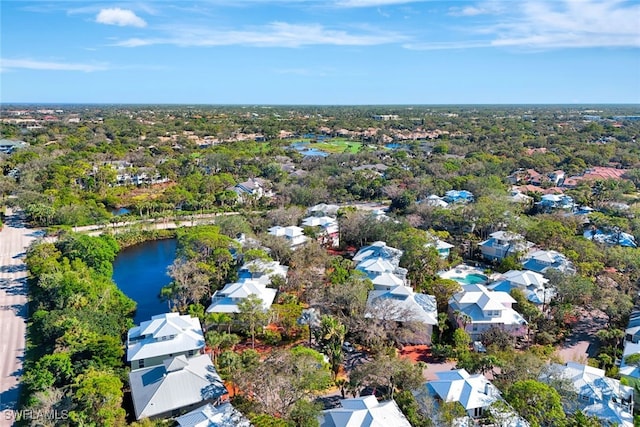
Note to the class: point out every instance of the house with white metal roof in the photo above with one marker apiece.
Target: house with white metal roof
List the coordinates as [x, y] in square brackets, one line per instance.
[293, 234]
[177, 385]
[476, 309]
[596, 394]
[379, 249]
[328, 231]
[165, 335]
[401, 304]
[532, 284]
[226, 300]
[542, 261]
[364, 412]
[208, 415]
[502, 244]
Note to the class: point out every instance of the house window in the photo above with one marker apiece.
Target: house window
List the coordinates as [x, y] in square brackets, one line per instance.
[584, 398]
[475, 327]
[477, 412]
[141, 363]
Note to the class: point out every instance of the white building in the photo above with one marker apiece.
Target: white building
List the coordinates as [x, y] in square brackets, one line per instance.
[532, 284]
[328, 232]
[364, 412]
[208, 415]
[293, 234]
[502, 244]
[165, 335]
[542, 261]
[178, 384]
[596, 394]
[476, 309]
[474, 393]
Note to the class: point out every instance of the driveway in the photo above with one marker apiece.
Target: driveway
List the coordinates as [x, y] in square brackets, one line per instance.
[14, 240]
[583, 343]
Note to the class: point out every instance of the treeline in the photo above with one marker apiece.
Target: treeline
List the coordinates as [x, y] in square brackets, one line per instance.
[74, 360]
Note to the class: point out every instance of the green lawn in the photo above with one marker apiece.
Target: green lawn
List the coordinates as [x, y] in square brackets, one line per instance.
[337, 145]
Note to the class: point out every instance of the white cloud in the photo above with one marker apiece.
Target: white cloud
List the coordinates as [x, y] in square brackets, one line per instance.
[571, 24]
[10, 64]
[120, 17]
[276, 34]
[536, 25]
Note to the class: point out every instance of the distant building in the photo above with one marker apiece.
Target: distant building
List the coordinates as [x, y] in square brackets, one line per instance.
[8, 146]
[455, 196]
[328, 232]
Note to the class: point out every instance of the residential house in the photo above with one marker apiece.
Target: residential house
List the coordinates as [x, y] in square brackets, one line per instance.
[596, 394]
[517, 196]
[255, 188]
[165, 335]
[631, 371]
[379, 249]
[474, 393]
[328, 232]
[557, 177]
[8, 146]
[208, 415]
[401, 304]
[455, 196]
[177, 385]
[502, 244]
[443, 248]
[293, 234]
[550, 202]
[262, 271]
[364, 412]
[532, 284]
[611, 237]
[226, 300]
[542, 261]
[476, 309]
[435, 201]
[323, 209]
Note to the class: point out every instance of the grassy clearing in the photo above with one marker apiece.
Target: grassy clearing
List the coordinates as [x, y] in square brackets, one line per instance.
[337, 145]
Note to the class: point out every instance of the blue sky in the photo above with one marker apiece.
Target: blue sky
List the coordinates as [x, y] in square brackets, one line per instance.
[320, 51]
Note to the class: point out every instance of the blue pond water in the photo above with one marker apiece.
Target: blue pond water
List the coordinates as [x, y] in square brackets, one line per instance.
[304, 149]
[141, 271]
[121, 211]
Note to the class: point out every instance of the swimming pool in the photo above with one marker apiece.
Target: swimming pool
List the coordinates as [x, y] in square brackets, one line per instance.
[472, 279]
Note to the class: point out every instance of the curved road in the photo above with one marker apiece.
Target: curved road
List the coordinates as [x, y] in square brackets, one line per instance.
[14, 240]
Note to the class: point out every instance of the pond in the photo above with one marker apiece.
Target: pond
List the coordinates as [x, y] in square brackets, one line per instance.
[140, 271]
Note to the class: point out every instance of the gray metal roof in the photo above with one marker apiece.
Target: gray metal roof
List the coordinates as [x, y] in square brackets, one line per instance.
[157, 390]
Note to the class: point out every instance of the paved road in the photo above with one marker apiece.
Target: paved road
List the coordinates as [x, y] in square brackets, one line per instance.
[14, 240]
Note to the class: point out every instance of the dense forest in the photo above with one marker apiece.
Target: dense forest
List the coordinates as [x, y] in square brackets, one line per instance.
[86, 165]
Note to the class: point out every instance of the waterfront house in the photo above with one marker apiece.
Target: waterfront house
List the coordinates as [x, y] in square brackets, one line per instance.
[165, 335]
[177, 385]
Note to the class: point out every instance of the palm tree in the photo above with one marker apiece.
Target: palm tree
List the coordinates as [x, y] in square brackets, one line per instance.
[310, 318]
[332, 337]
